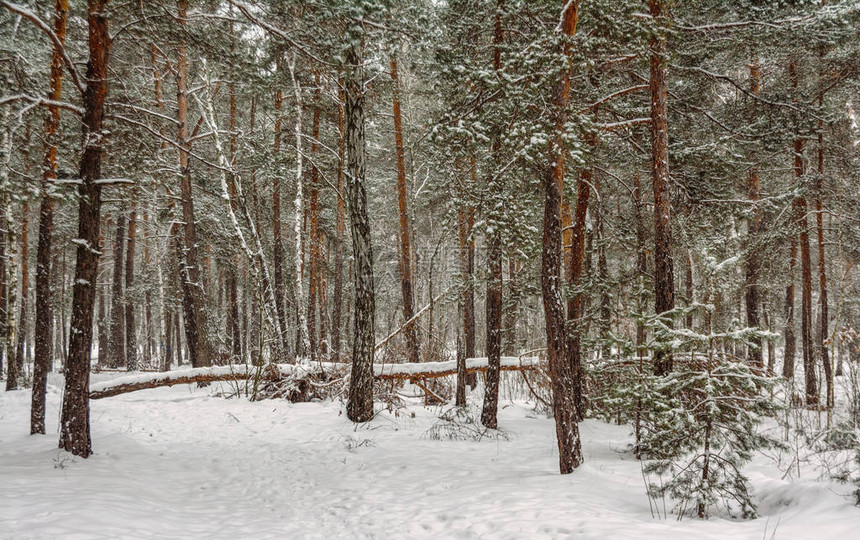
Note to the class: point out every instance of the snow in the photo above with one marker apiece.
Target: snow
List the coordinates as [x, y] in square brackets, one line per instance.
[182, 462]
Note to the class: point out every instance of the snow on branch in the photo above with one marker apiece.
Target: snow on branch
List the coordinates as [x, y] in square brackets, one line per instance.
[40, 101]
[43, 26]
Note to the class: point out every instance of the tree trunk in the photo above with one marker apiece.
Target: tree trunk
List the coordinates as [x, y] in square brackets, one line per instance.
[603, 278]
[664, 282]
[4, 292]
[753, 264]
[466, 310]
[314, 232]
[359, 408]
[405, 243]
[575, 260]
[790, 340]
[824, 332]
[103, 321]
[75, 420]
[21, 347]
[116, 343]
[149, 347]
[277, 236]
[130, 330]
[302, 337]
[512, 313]
[194, 297]
[338, 249]
[688, 285]
[42, 359]
[168, 341]
[564, 401]
[469, 293]
[806, 294]
[494, 258]
[802, 223]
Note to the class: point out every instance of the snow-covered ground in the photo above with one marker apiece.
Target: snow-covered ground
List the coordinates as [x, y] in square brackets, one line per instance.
[182, 463]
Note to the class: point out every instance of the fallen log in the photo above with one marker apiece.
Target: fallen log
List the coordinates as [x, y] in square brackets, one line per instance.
[143, 381]
[236, 372]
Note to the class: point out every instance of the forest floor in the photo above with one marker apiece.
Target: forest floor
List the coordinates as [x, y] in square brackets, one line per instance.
[182, 462]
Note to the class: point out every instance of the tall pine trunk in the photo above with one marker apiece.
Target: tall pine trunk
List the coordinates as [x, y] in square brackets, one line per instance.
[116, 340]
[753, 264]
[131, 357]
[42, 360]
[193, 291]
[824, 332]
[75, 419]
[664, 281]
[564, 392]
[494, 258]
[314, 232]
[359, 408]
[405, 243]
[21, 346]
[801, 221]
[340, 227]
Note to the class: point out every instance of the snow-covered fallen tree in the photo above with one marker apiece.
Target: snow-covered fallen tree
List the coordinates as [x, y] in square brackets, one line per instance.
[238, 372]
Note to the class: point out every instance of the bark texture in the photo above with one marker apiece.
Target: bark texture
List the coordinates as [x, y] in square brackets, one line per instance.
[564, 400]
[75, 419]
[405, 243]
[494, 259]
[359, 408]
[664, 280]
[44, 317]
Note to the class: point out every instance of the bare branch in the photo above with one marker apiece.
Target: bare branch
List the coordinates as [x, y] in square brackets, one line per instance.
[40, 101]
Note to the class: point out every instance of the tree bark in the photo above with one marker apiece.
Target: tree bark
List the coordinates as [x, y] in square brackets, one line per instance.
[806, 291]
[314, 232]
[359, 408]
[149, 346]
[302, 337]
[23, 313]
[469, 293]
[753, 264]
[824, 332]
[130, 329]
[494, 258]
[790, 340]
[42, 360]
[194, 297]
[575, 260]
[338, 249]
[801, 221]
[664, 282]
[75, 419]
[116, 340]
[277, 235]
[564, 402]
[405, 243]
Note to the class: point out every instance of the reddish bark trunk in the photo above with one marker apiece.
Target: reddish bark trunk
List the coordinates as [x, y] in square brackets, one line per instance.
[664, 282]
[565, 406]
[75, 419]
[405, 243]
[42, 353]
